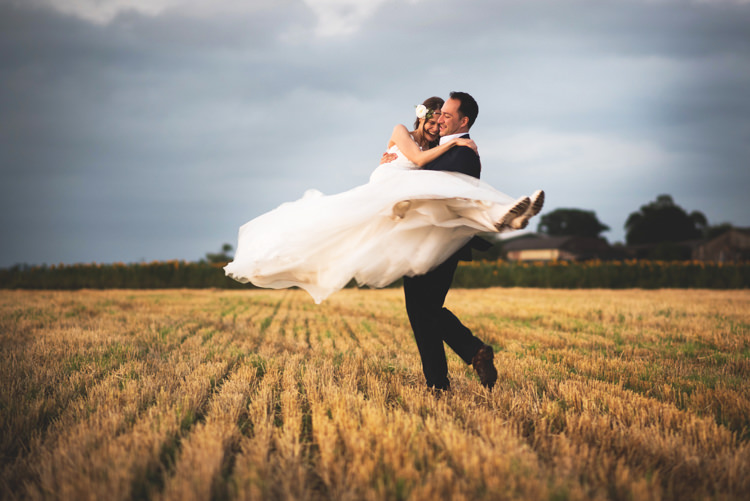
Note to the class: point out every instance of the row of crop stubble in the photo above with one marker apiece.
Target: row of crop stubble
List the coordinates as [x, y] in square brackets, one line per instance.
[183, 394]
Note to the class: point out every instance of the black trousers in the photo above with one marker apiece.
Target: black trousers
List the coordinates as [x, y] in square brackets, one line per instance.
[434, 324]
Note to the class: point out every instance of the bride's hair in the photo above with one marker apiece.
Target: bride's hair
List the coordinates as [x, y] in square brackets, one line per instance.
[432, 104]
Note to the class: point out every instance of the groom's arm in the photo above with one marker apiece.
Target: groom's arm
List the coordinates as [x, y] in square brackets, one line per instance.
[459, 159]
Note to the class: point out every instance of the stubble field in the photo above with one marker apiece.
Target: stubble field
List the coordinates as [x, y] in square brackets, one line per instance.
[206, 394]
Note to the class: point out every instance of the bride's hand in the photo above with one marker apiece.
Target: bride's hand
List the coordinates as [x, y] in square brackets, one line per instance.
[462, 141]
[388, 157]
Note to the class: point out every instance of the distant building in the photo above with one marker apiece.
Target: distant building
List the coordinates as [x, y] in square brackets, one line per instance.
[732, 245]
[539, 247]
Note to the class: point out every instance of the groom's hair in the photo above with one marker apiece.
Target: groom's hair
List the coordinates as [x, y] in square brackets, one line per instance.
[468, 108]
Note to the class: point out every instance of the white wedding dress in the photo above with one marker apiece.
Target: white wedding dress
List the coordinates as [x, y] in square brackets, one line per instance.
[404, 221]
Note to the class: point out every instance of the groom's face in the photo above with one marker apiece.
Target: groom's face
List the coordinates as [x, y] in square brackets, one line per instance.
[451, 121]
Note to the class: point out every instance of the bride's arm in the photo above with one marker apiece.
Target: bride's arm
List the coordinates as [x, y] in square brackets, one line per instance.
[410, 149]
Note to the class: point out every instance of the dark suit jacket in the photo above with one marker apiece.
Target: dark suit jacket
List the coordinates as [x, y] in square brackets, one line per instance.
[458, 159]
[461, 159]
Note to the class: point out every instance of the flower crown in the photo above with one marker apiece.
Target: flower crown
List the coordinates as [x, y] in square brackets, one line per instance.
[423, 112]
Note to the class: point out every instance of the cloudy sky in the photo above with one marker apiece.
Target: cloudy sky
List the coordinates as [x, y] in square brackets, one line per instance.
[152, 129]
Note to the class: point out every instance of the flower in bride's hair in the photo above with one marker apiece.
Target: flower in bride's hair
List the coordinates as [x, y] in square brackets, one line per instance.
[422, 111]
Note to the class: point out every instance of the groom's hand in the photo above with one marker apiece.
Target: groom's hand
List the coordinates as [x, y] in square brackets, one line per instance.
[388, 157]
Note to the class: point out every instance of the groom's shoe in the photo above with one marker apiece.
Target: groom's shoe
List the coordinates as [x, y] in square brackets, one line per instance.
[439, 392]
[513, 214]
[484, 367]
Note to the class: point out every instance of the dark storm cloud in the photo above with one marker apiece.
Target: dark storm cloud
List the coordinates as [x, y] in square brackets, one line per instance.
[156, 136]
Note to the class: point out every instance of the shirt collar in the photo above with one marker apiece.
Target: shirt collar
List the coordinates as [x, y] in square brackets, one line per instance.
[445, 139]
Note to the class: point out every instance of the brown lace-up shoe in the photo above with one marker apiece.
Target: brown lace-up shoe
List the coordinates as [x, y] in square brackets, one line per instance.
[483, 365]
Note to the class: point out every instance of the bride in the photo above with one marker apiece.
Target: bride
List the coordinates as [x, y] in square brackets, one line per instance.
[404, 222]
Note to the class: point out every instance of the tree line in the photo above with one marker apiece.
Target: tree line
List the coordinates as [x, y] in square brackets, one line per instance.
[659, 221]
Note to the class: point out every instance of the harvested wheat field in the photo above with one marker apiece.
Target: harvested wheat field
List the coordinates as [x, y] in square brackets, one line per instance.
[204, 394]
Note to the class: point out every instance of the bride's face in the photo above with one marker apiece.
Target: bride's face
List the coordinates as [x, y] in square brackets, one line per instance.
[431, 128]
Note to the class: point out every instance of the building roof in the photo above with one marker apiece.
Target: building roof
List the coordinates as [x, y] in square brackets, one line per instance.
[565, 243]
[737, 237]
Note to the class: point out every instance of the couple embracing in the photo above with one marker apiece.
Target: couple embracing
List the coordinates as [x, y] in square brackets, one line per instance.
[416, 218]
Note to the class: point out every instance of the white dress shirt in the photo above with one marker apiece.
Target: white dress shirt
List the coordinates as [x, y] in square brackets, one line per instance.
[445, 139]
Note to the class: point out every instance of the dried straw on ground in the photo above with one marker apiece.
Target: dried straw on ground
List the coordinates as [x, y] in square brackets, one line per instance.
[264, 395]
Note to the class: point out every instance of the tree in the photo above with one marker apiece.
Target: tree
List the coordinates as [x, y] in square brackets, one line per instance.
[220, 257]
[571, 222]
[663, 221]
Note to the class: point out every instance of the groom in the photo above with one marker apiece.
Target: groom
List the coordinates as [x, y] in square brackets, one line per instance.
[431, 322]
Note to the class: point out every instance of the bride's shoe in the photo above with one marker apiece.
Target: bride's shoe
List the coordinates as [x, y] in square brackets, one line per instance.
[537, 202]
[400, 208]
[513, 214]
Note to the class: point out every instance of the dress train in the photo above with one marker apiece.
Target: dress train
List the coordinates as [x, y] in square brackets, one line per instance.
[403, 222]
